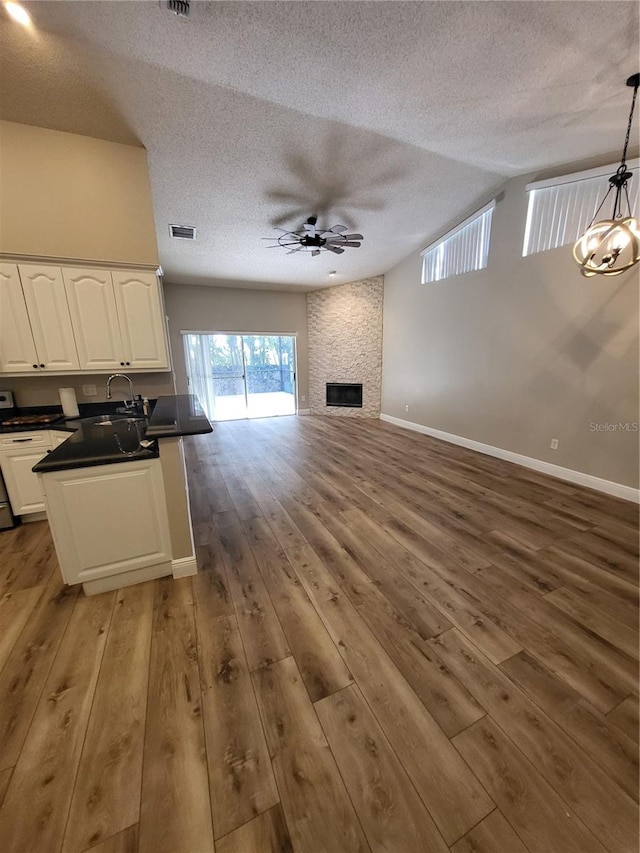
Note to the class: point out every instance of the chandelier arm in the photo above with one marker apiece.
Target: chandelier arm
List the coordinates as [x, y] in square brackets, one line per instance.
[600, 206]
[617, 205]
[626, 192]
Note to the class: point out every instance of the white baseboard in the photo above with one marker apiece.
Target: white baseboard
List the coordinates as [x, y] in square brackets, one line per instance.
[183, 567]
[627, 493]
[33, 516]
[304, 411]
[148, 573]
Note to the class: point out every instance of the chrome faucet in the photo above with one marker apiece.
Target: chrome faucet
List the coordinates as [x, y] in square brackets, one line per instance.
[113, 376]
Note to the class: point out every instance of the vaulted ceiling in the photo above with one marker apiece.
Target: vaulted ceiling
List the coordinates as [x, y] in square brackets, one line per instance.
[393, 118]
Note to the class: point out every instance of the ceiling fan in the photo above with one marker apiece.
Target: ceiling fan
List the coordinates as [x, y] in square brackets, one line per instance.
[313, 240]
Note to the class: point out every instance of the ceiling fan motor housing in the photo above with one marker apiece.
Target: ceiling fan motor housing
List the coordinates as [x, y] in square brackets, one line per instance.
[316, 241]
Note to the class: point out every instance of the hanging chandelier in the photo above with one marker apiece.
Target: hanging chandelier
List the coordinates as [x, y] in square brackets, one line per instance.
[611, 246]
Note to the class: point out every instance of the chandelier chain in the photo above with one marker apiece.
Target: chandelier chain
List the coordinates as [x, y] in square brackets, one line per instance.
[626, 139]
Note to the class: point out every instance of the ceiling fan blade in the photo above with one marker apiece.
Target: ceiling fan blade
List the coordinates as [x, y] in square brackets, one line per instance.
[338, 229]
[297, 249]
[336, 249]
[354, 243]
[315, 252]
[353, 236]
[291, 215]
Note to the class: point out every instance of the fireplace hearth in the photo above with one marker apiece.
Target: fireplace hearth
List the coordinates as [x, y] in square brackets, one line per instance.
[344, 394]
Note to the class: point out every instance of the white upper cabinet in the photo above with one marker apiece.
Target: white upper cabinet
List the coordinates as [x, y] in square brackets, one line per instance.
[17, 349]
[94, 318]
[46, 299]
[70, 319]
[141, 319]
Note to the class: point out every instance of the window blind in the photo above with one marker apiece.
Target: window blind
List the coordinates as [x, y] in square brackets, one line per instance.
[463, 249]
[560, 210]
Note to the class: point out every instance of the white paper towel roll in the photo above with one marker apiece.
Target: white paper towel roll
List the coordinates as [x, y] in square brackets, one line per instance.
[69, 402]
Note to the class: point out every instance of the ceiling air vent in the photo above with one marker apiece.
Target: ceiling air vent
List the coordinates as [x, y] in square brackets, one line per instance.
[183, 232]
[178, 7]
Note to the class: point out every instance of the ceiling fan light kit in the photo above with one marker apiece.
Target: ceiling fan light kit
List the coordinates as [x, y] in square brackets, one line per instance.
[612, 246]
[313, 240]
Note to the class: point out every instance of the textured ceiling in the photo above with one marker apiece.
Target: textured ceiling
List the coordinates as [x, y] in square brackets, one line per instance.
[392, 118]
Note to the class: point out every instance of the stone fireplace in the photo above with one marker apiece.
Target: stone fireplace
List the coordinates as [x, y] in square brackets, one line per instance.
[345, 348]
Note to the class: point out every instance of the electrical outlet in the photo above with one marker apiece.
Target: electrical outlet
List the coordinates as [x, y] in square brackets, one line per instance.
[303, 399]
[89, 391]
[554, 443]
[406, 408]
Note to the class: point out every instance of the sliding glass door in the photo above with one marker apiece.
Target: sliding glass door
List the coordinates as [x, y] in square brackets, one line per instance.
[242, 376]
[270, 375]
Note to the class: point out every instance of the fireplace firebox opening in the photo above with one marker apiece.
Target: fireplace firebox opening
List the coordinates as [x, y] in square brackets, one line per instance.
[344, 394]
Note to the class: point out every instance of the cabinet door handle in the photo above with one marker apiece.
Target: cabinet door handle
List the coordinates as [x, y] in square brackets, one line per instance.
[20, 440]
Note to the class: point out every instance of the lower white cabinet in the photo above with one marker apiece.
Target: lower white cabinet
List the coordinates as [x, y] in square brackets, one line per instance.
[19, 452]
[22, 484]
[109, 522]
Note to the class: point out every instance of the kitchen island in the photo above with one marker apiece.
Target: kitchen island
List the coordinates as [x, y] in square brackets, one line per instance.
[116, 496]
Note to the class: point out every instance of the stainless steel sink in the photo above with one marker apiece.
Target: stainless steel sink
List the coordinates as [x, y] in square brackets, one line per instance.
[109, 420]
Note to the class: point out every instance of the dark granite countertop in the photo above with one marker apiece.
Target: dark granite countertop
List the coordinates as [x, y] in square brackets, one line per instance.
[124, 440]
[178, 415]
[87, 410]
[97, 444]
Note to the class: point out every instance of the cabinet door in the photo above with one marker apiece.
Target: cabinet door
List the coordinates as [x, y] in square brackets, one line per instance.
[94, 318]
[141, 319]
[46, 300]
[22, 484]
[86, 505]
[17, 349]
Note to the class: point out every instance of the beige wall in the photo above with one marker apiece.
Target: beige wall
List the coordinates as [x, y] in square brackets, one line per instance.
[68, 196]
[43, 390]
[520, 353]
[224, 309]
[345, 344]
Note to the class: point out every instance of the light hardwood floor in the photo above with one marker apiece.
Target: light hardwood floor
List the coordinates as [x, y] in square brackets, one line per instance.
[393, 644]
